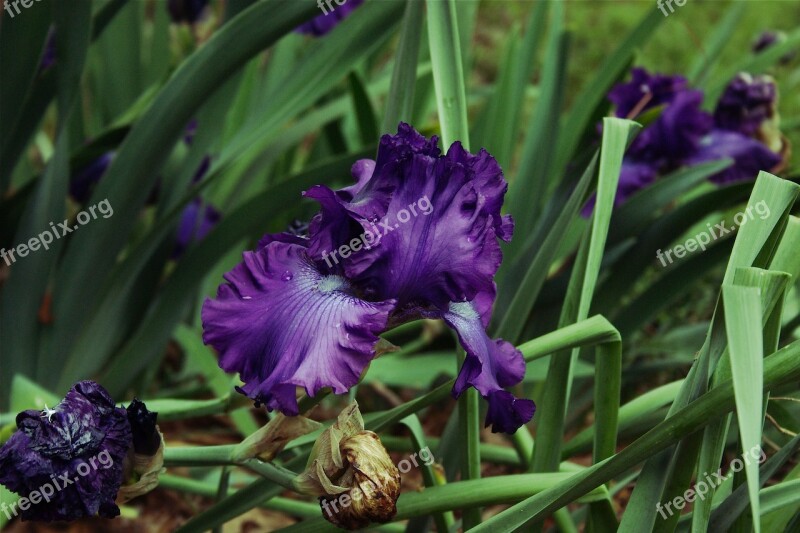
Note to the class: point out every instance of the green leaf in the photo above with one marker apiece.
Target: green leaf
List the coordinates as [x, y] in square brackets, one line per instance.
[400, 101]
[149, 339]
[448, 71]
[743, 325]
[547, 451]
[527, 191]
[135, 168]
[780, 368]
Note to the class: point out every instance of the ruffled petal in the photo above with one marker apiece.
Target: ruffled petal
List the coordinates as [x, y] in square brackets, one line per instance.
[86, 439]
[490, 366]
[748, 101]
[676, 133]
[749, 156]
[281, 323]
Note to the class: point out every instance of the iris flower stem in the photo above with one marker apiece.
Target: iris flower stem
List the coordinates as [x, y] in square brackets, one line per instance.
[221, 456]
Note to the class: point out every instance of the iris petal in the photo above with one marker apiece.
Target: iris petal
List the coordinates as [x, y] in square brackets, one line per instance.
[749, 155]
[490, 366]
[280, 322]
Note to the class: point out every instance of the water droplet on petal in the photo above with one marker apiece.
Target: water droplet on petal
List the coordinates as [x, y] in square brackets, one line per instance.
[287, 276]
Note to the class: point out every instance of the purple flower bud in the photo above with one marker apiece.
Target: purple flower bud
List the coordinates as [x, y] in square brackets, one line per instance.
[146, 439]
[197, 221]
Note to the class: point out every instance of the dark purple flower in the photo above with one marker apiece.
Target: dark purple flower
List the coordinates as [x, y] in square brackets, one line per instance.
[77, 449]
[416, 236]
[749, 156]
[82, 183]
[746, 103]
[197, 221]
[146, 439]
[676, 132]
[644, 91]
[332, 14]
[187, 11]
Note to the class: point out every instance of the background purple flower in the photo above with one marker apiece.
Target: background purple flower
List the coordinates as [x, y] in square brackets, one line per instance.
[197, 221]
[749, 156]
[324, 23]
[644, 91]
[746, 103]
[84, 426]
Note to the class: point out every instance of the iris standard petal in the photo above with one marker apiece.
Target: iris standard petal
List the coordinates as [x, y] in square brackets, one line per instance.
[747, 102]
[644, 91]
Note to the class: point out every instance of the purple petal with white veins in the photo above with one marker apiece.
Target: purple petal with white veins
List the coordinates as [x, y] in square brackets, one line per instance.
[281, 323]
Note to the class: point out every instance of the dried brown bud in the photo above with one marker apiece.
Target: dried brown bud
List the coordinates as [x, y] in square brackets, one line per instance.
[351, 472]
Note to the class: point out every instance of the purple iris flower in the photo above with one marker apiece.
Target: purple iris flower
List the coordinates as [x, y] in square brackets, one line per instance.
[644, 92]
[415, 237]
[330, 17]
[57, 448]
[749, 155]
[187, 11]
[746, 103]
[676, 133]
[83, 182]
[197, 221]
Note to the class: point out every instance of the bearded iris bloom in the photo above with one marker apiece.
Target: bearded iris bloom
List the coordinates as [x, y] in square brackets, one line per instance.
[287, 318]
[743, 127]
